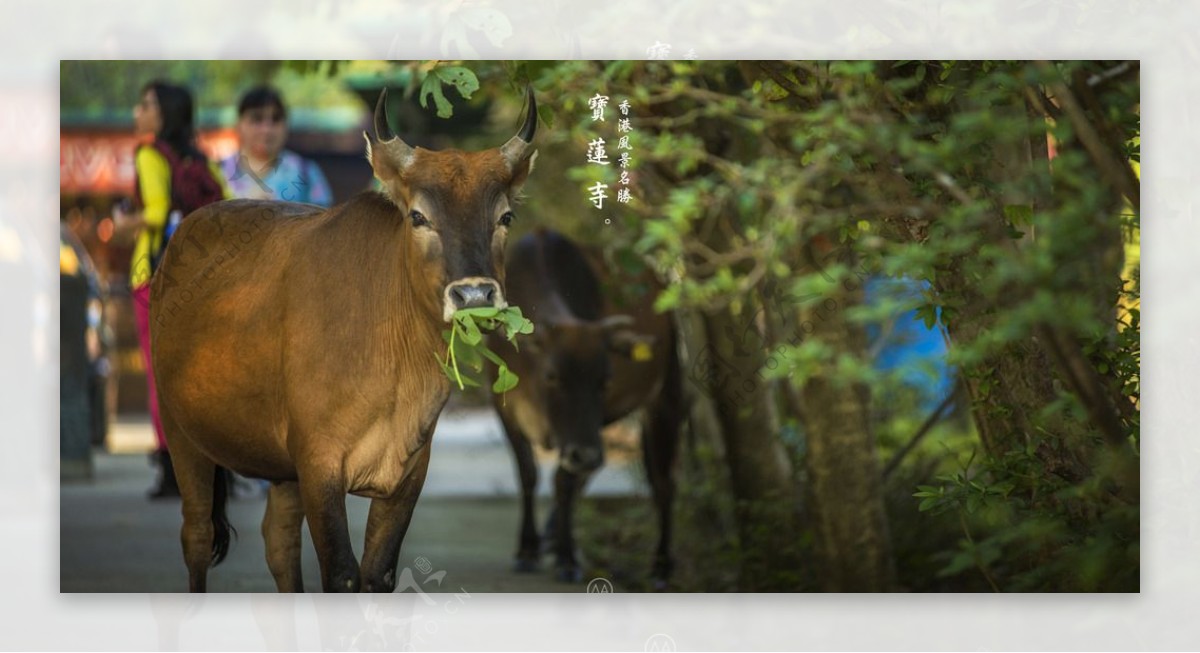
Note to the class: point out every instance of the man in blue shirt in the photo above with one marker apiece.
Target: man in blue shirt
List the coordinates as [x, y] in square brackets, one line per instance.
[263, 169]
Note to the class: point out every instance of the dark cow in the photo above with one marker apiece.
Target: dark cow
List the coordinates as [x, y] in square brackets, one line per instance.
[298, 344]
[590, 362]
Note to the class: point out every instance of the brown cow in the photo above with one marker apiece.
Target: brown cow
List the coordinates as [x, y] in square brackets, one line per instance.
[592, 359]
[296, 344]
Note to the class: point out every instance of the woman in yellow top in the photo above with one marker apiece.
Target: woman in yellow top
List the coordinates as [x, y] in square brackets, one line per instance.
[166, 111]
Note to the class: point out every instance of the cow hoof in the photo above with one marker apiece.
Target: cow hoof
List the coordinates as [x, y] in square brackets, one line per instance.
[385, 584]
[659, 584]
[525, 565]
[569, 574]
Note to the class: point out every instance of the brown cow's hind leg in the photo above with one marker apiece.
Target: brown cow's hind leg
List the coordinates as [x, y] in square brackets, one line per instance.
[387, 523]
[660, 444]
[281, 533]
[195, 474]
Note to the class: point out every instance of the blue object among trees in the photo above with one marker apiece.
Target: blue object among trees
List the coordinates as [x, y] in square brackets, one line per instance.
[912, 350]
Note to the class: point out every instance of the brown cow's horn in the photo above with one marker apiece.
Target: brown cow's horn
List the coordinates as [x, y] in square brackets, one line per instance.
[514, 149]
[382, 131]
[398, 151]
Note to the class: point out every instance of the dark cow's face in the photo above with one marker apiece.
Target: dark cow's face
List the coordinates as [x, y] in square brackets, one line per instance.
[573, 372]
[457, 207]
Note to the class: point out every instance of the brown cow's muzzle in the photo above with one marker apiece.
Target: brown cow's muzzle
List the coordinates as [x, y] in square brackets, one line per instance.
[472, 292]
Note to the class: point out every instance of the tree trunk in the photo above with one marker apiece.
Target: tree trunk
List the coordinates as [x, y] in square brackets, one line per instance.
[1011, 386]
[706, 528]
[760, 473]
[844, 478]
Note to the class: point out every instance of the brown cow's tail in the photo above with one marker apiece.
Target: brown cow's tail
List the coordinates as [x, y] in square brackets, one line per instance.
[222, 529]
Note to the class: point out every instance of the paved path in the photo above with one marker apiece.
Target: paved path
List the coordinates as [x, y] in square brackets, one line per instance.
[113, 539]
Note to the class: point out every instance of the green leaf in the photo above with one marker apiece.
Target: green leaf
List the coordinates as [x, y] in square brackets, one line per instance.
[928, 491]
[515, 323]
[928, 314]
[467, 348]
[482, 311]
[467, 381]
[505, 380]
[433, 86]
[462, 79]
[973, 503]
[471, 335]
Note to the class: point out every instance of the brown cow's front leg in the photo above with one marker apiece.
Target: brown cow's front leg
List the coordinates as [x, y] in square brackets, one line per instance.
[323, 493]
[567, 487]
[281, 533]
[387, 523]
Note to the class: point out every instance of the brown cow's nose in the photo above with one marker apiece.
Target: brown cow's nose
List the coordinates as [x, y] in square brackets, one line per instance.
[473, 295]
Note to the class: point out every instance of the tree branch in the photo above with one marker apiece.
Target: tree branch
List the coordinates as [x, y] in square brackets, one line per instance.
[1045, 105]
[926, 427]
[1120, 70]
[1108, 132]
[1085, 381]
[1110, 167]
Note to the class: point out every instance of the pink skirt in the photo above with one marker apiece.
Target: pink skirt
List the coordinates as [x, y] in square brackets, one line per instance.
[141, 308]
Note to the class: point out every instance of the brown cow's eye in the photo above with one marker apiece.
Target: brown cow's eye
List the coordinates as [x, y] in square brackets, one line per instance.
[507, 218]
[418, 219]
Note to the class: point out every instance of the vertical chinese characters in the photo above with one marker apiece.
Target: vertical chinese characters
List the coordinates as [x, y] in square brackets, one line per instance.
[625, 158]
[598, 154]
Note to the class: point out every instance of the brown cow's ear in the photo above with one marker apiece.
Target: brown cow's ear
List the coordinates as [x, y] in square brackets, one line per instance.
[385, 170]
[521, 173]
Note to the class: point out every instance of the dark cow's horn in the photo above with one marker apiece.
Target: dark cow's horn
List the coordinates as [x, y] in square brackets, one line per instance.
[397, 150]
[614, 322]
[514, 149]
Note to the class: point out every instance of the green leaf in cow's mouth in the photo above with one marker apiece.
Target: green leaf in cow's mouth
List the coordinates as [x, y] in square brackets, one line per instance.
[466, 348]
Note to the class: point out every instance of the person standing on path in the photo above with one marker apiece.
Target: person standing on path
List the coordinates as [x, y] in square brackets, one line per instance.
[174, 178]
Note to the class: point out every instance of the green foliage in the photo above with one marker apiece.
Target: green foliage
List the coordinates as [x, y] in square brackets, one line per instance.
[772, 190]
[462, 79]
[466, 348]
[1059, 537]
